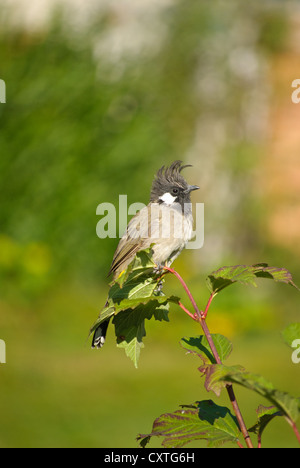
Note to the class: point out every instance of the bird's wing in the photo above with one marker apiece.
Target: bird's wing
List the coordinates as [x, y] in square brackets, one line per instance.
[135, 238]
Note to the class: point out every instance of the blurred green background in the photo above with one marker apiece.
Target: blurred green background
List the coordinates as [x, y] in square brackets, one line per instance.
[97, 99]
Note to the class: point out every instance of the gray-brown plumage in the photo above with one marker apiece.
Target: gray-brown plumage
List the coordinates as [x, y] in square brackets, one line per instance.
[166, 222]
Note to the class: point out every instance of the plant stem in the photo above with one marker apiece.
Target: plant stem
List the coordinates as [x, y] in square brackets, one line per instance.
[186, 310]
[171, 270]
[200, 316]
[295, 429]
[259, 441]
[208, 305]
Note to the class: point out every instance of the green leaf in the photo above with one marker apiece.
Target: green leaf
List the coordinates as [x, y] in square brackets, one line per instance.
[214, 376]
[199, 345]
[264, 416]
[291, 333]
[132, 298]
[202, 421]
[130, 326]
[246, 274]
[133, 344]
[136, 301]
[142, 265]
[284, 402]
[137, 286]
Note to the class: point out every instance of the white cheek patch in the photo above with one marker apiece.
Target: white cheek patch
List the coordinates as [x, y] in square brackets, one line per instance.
[167, 198]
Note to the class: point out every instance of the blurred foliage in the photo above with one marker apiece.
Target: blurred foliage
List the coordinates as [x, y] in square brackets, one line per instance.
[78, 129]
[70, 139]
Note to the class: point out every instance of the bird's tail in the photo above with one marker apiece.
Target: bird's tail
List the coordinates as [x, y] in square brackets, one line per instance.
[100, 334]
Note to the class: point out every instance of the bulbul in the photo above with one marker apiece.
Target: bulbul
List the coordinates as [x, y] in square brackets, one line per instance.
[166, 222]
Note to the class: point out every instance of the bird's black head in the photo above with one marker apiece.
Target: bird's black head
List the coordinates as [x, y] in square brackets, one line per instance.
[170, 187]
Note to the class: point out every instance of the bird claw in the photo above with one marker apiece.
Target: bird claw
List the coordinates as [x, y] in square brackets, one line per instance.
[158, 289]
[158, 269]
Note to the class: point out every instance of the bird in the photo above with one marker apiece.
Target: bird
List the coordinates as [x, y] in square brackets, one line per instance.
[166, 224]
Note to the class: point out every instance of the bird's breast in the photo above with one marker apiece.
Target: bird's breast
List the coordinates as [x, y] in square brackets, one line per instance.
[170, 223]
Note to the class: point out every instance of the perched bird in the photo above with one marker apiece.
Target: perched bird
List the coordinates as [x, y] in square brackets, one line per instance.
[166, 222]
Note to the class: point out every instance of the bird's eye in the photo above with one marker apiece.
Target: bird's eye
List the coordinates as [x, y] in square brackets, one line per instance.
[175, 190]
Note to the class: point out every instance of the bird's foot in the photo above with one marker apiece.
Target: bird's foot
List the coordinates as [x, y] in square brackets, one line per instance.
[158, 269]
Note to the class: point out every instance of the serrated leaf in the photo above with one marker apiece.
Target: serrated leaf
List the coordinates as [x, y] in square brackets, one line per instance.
[133, 288]
[142, 264]
[202, 421]
[284, 402]
[214, 374]
[133, 297]
[200, 346]
[132, 347]
[264, 416]
[130, 326]
[291, 333]
[246, 274]
[130, 331]
[136, 301]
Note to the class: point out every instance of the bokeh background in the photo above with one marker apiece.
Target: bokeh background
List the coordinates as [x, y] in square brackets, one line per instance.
[100, 94]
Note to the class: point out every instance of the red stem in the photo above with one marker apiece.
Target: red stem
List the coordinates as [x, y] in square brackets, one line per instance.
[259, 441]
[295, 429]
[200, 316]
[208, 305]
[186, 310]
[199, 313]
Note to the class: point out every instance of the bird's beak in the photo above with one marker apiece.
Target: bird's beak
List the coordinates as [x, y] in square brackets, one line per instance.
[192, 187]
